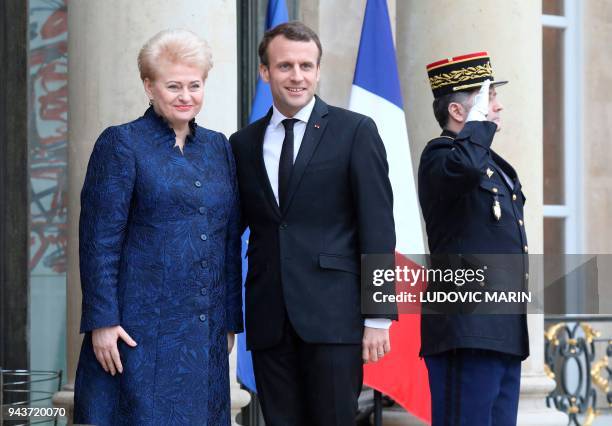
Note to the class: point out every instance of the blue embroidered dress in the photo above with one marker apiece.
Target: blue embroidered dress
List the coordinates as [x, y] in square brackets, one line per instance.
[160, 256]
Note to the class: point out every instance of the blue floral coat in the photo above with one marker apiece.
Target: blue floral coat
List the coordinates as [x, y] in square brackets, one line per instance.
[160, 256]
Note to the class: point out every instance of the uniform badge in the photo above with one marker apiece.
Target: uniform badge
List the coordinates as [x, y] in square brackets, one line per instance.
[496, 209]
[489, 173]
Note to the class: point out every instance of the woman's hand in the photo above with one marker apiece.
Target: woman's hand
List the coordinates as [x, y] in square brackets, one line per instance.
[231, 337]
[104, 341]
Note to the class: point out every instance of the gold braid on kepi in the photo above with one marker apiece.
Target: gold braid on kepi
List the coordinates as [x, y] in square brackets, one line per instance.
[461, 73]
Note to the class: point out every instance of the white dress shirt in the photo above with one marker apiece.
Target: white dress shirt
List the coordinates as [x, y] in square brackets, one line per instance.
[273, 140]
[272, 146]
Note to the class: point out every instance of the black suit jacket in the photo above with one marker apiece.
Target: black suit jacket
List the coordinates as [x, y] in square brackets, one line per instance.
[304, 261]
[459, 180]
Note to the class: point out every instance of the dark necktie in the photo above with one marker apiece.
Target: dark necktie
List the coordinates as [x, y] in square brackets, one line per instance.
[285, 165]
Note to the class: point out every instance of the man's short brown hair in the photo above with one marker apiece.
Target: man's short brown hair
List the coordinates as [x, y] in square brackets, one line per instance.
[294, 30]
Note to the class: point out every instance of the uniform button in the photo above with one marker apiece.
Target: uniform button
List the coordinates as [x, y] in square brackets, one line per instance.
[202, 317]
[513, 197]
[495, 190]
[197, 183]
[526, 276]
[204, 263]
[203, 237]
[521, 222]
[283, 226]
[202, 210]
[526, 249]
[203, 291]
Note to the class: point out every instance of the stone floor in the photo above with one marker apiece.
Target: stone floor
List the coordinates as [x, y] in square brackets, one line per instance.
[398, 417]
[392, 416]
[603, 420]
[395, 416]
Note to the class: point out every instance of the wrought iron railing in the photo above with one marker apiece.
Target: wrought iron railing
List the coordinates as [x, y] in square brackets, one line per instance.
[28, 388]
[577, 357]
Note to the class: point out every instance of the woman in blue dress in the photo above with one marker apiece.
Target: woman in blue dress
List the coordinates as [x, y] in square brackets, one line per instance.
[160, 255]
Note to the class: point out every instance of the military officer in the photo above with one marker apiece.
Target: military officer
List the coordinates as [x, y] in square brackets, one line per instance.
[472, 202]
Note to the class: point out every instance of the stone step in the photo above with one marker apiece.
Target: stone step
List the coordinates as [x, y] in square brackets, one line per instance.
[397, 416]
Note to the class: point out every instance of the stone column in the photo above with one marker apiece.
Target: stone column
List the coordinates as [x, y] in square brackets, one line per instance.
[511, 32]
[105, 89]
[340, 41]
[596, 191]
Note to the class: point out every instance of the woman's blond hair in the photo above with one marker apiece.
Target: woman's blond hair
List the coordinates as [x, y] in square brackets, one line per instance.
[175, 46]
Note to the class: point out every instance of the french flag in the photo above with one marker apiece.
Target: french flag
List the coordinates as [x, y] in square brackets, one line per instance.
[376, 92]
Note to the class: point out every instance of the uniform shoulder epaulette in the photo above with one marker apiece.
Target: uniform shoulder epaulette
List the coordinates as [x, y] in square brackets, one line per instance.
[441, 139]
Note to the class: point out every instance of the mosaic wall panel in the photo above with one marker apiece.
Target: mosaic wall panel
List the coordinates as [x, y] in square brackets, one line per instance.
[48, 121]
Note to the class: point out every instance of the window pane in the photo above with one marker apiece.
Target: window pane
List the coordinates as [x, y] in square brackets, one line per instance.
[552, 7]
[554, 235]
[554, 185]
[554, 244]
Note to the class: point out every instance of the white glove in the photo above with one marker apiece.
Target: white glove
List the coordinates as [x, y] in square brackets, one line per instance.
[480, 109]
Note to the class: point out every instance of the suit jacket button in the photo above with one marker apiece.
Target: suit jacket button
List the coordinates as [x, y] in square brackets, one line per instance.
[495, 190]
[283, 225]
[513, 197]
[203, 237]
[197, 183]
[526, 249]
[202, 317]
[520, 222]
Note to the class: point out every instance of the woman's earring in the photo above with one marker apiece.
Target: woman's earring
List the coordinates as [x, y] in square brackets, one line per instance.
[150, 102]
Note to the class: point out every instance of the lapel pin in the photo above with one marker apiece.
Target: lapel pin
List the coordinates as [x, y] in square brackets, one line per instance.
[316, 126]
[489, 173]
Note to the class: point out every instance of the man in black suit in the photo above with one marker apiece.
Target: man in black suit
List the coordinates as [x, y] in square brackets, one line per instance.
[316, 195]
[472, 203]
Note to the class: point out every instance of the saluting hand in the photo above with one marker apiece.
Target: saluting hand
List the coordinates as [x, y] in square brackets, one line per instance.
[480, 110]
[104, 341]
[375, 344]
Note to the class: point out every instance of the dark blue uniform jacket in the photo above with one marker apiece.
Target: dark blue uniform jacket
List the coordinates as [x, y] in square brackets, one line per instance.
[460, 178]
